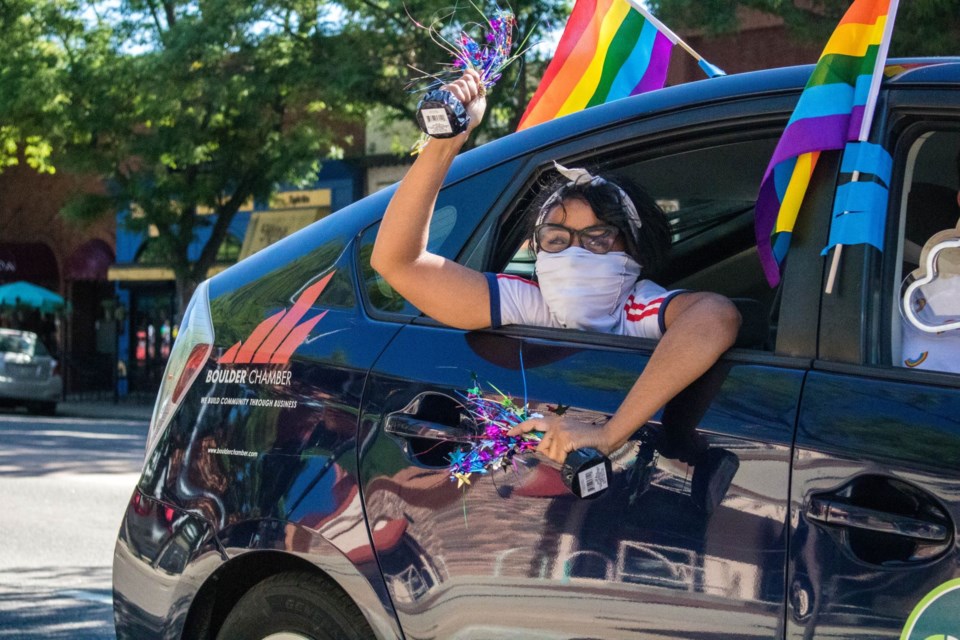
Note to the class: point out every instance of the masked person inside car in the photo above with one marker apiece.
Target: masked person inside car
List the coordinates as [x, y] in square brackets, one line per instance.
[593, 239]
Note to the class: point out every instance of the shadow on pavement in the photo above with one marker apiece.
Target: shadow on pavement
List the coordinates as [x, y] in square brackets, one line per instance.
[56, 604]
[35, 447]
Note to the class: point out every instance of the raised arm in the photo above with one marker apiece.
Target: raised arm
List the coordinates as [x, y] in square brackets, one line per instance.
[442, 289]
[700, 328]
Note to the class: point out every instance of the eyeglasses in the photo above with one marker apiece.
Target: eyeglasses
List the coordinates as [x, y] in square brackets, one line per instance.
[554, 238]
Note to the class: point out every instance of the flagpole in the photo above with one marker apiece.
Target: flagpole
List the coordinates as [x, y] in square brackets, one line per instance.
[710, 69]
[868, 110]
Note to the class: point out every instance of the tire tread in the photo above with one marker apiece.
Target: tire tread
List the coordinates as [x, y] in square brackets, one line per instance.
[252, 618]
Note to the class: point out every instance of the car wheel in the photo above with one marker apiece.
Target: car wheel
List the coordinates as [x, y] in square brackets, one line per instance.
[43, 408]
[294, 606]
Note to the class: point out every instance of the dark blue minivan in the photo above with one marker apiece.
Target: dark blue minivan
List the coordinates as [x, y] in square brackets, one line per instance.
[297, 483]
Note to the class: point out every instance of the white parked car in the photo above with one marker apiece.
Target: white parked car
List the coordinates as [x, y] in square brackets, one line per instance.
[29, 375]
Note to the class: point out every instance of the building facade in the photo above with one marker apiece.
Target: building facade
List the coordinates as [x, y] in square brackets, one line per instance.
[144, 288]
[39, 246]
[761, 42]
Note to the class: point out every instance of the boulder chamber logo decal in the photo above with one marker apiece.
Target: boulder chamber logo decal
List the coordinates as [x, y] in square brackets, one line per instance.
[272, 342]
[275, 339]
[937, 617]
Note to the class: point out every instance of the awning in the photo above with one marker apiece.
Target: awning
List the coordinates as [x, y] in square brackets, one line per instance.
[147, 273]
[90, 261]
[25, 294]
[267, 227]
[30, 261]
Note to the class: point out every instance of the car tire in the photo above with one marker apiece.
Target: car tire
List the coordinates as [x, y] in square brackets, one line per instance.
[295, 605]
[43, 408]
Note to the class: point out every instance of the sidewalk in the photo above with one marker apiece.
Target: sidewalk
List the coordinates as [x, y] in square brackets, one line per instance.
[106, 409]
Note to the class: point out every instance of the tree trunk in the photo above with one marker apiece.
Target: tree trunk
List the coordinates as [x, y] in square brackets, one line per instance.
[185, 288]
[189, 275]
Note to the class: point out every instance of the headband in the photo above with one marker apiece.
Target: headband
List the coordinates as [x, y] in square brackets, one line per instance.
[582, 176]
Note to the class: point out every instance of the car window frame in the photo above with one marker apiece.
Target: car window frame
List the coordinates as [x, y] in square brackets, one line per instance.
[454, 252]
[862, 305]
[726, 117]
[716, 120]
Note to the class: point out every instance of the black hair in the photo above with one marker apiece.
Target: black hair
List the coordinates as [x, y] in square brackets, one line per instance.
[650, 247]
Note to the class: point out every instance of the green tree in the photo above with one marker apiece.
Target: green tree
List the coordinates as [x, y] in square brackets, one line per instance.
[923, 27]
[187, 106]
[191, 107]
[29, 91]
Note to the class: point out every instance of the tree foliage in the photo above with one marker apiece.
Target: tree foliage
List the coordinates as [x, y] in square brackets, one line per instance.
[923, 27]
[186, 106]
[29, 89]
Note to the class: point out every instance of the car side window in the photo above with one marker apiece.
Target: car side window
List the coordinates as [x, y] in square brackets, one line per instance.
[925, 316]
[459, 211]
[707, 189]
[380, 295]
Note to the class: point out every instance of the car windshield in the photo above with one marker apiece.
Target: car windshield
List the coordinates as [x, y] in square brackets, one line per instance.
[18, 343]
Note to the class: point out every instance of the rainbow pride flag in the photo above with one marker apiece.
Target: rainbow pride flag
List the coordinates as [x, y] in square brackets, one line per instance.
[608, 50]
[836, 107]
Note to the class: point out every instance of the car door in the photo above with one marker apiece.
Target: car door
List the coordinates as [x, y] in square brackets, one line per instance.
[875, 494]
[690, 538]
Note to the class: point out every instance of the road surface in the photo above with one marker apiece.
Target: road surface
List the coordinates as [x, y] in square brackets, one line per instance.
[64, 484]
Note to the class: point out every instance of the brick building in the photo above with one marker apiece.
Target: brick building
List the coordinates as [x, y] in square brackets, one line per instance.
[762, 42]
[41, 247]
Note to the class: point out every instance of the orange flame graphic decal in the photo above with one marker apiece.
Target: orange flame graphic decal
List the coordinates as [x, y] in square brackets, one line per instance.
[275, 339]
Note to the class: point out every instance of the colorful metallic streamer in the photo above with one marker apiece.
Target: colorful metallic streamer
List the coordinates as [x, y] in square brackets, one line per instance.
[488, 58]
[494, 448]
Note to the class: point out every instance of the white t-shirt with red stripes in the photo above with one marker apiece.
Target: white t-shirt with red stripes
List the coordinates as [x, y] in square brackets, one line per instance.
[516, 300]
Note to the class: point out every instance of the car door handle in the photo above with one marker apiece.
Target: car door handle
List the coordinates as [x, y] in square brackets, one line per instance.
[843, 514]
[413, 427]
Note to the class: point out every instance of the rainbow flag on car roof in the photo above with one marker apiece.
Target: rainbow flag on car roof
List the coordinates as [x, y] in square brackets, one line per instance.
[831, 112]
[608, 50]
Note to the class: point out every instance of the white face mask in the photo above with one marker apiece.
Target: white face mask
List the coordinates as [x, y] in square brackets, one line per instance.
[585, 290]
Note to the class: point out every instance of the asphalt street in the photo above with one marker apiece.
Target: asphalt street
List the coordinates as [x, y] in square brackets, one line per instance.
[64, 484]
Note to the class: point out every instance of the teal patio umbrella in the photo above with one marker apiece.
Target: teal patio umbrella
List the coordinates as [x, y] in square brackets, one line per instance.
[30, 295]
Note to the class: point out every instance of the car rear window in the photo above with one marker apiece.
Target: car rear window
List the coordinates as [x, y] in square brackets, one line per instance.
[22, 343]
